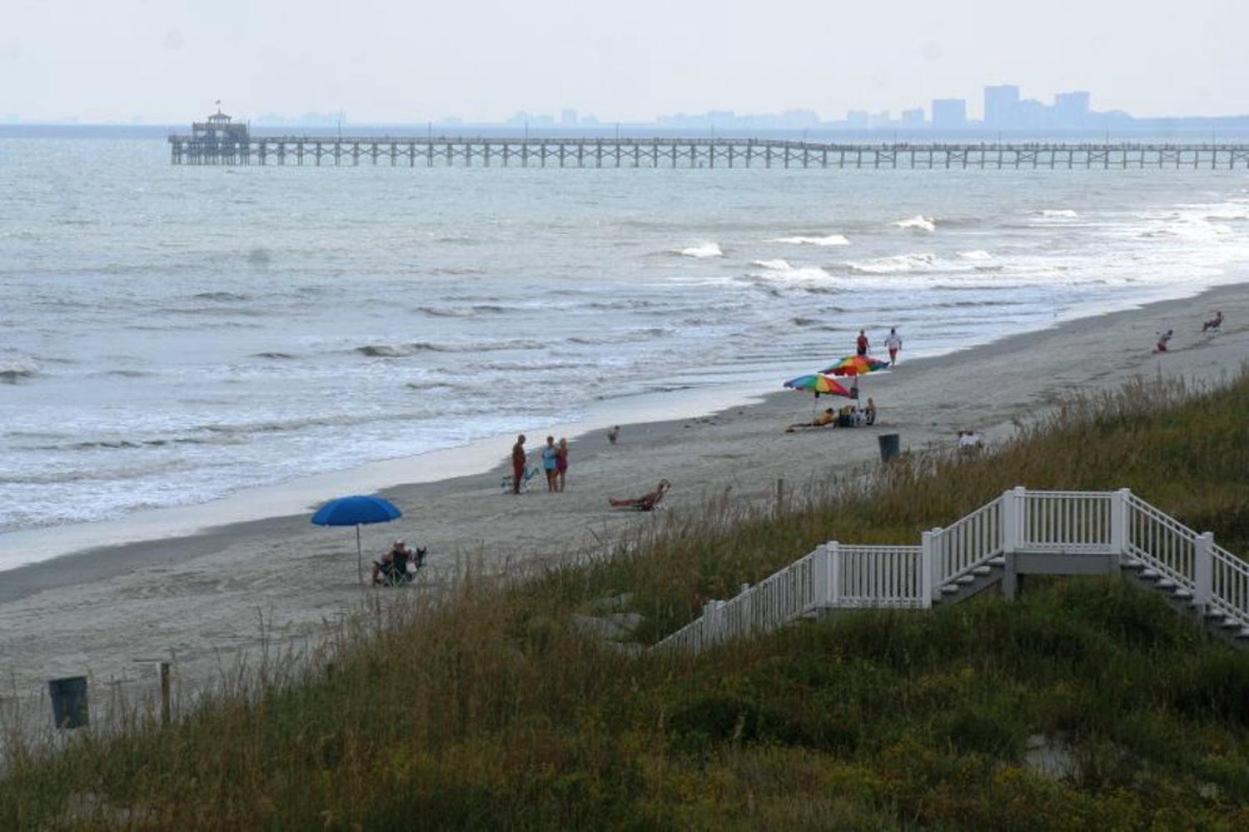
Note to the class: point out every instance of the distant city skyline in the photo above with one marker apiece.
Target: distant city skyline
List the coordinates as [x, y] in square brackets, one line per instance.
[1003, 108]
[384, 62]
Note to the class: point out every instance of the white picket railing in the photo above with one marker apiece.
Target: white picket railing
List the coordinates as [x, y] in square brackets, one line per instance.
[1071, 522]
[1226, 586]
[1065, 523]
[876, 576]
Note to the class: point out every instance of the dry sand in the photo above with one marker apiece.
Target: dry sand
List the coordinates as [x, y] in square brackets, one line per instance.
[204, 596]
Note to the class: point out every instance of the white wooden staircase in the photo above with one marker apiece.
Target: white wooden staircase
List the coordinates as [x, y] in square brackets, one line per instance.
[1020, 533]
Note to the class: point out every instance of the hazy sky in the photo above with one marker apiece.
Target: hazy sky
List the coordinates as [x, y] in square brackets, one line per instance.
[167, 60]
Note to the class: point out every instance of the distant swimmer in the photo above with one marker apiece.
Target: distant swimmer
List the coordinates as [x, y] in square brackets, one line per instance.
[1214, 323]
[1163, 340]
[893, 343]
[861, 343]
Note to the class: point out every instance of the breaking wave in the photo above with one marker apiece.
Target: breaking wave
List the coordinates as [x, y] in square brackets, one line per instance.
[978, 254]
[418, 347]
[1059, 213]
[918, 223]
[827, 240]
[895, 265]
[702, 251]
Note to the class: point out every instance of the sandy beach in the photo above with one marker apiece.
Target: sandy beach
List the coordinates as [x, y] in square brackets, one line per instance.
[204, 596]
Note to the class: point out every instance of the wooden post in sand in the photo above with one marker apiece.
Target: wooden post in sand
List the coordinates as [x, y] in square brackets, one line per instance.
[164, 693]
[780, 496]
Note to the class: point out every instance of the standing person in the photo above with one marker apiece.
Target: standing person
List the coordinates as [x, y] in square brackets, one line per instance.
[561, 461]
[893, 343]
[549, 463]
[861, 343]
[518, 463]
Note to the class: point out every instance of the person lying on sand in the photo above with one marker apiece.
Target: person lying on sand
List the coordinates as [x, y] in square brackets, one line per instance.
[1214, 323]
[828, 417]
[644, 503]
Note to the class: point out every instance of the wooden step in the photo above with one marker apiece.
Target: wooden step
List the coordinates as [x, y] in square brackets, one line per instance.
[966, 580]
[1184, 594]
[982, 571]
[1000, 560]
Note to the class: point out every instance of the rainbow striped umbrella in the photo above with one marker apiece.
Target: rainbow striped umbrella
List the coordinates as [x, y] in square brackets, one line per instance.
[857, 365]
[818, 384]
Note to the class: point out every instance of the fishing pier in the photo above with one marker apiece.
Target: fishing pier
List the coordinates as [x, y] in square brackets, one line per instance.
[218, 141]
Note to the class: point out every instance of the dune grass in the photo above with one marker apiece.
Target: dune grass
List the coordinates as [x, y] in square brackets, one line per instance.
[1087, 704]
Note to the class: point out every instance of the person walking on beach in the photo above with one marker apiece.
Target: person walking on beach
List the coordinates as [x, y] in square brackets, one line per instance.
[518, 463]
[549, 464]
[861, 343]
[893, 343]
[561, 461]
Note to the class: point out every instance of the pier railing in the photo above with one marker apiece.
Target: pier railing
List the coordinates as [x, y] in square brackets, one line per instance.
[657, 152]
[1065, 527]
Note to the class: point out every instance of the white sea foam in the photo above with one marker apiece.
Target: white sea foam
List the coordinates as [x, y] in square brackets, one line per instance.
[780, 271]
[777, 265]
[895, 265]
[703, 250]
[1059, 213]
[918, 223]
[827, 240]
[978, 254]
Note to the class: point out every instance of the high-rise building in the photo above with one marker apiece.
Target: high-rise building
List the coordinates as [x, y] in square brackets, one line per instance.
[949, 114]
[858, 119]
[1001, 106]
[913, 118]
[568, 118]
[1071, 109]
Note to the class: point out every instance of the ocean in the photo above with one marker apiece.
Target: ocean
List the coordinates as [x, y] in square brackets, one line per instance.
[172, 335]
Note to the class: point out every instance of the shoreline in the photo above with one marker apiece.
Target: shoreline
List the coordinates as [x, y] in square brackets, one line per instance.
[232, 513]
[200, 595]
[488, 458]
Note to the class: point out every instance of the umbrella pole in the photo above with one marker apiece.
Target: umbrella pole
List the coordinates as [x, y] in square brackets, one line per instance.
[359, 557]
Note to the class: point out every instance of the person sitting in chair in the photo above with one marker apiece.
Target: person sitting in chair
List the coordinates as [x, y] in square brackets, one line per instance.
[828, 417]
[1214, 323]
[869, 412]
[399, 564]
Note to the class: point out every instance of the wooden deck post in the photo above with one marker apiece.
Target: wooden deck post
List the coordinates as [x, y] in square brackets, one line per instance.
[1203, 570]
[928, 567]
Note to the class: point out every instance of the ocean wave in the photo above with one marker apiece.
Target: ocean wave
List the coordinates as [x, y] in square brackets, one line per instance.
[1059, 213]
[17, 373]
[780, 271]
[773, 265]
[417, 347]
[461, 312]
[825, 241]
[275, 356]
[123, 374]
[896, 264]
[633, 335]
[978, 254]
[917, 223]
[224, 297]
[702, 251]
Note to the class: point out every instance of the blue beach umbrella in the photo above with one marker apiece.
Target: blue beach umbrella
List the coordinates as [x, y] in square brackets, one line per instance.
[356, 511]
